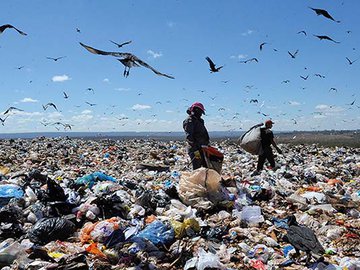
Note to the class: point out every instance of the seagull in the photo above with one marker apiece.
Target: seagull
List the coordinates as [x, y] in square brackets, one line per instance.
[90, 104]
[294, 121]
[121, 44]
[49, 104]
[128, 60]
[6, 26]
[303, 238]
[254, 101]
[333, 89]
[319, 75]
[324, 13]
[90, 89]
[12, 109]
[212, 65]
[65, 95]
[249, 60]
[293, 55]
[3, 120]
[352, 103]
[21, 67]
[55, 59]
[350, 62]
[78, 30]
[326, 37]
[302, 32]
[262, 45]
[304, 78]
[286, 81]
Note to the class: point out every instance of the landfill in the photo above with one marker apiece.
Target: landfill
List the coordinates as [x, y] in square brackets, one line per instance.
[68, 203]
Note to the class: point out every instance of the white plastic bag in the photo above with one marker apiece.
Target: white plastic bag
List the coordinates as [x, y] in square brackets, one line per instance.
[251, 140]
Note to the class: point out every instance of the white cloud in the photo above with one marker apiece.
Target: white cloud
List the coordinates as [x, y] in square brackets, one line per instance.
[82, 117]
[329, 108]
[138, 107]
[239, 56]
[121, 89]
[28, 100]
[294, 103]
[248, 32]
[154, 54]
[86, 112]
[61, 78]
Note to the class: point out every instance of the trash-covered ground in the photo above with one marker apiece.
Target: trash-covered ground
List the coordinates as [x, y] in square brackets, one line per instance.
[136, 204]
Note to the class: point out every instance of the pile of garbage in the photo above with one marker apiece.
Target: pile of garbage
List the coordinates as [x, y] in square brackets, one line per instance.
[136, 204]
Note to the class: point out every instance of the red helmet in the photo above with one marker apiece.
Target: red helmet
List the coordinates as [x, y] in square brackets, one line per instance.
[197, 105]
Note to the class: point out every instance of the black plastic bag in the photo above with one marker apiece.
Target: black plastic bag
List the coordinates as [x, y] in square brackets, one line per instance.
[50, 229]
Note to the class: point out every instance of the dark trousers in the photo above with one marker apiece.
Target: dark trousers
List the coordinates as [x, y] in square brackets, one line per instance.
[267, 155]
[197, 163]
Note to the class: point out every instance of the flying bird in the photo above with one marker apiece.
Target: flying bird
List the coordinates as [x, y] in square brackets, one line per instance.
[91, 89]
[333, 89]
[21, 67]
[119, 45]
[352, 103]
[303, 238]
[128, 60]
[10, 109]
[304, 78]
[254, 101]
[212, 65]
[302, 32]
[6, 26]
[3, 120]
[78, 30]
[90, 104]
[324, 13]
[350, 62]
[286, 81]
[56, 59]
[250, 60]
[65, 95]
[326, 37]
[262, 45]
[319, 75]
[293, 55]
[48, 105]
[295, 122]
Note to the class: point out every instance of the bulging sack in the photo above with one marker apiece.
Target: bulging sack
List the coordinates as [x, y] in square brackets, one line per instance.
[250, 141]
[202, 188]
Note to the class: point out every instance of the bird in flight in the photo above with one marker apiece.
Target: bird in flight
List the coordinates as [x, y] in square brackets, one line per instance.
[319, 75]
[56, 59]
[21, 67]
[119, 45]
[65, 95]
[90, 104]
[12, 109]
[6, 26]
[352, 103]
[302, 32]
[78, 30]
[254, 101]
[324, 13]
[262, 45]
[326, 37]
[128, 60]
[293, 55]
[3, 120]
[350, 62]
[250, 60]
[48, 105]
[333, 89]
[212, 65]
[286, 81]
[304, 78]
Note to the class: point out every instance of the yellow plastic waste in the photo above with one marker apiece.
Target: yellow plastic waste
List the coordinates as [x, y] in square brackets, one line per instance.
[4, 170]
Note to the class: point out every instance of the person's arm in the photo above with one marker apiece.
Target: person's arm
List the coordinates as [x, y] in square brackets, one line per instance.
[189, 131]
[275, 145]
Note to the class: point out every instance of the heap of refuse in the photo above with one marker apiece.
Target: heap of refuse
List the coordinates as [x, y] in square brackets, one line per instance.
[136, 204]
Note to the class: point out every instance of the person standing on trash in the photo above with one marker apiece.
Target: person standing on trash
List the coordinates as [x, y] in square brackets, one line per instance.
[196, 134]
[267, 139]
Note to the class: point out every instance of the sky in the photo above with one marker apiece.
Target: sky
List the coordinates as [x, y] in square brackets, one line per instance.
[175, 37]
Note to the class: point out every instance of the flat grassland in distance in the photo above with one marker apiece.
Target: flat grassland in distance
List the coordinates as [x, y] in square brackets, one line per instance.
[324, 138]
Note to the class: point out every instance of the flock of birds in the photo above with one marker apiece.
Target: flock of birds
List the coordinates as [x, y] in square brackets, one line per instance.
[129, 60]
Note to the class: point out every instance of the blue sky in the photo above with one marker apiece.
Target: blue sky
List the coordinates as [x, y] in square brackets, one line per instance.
[174, 37]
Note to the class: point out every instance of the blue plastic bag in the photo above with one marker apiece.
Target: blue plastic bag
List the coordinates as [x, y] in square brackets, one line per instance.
[90, 179]
[9, 191]
[157, 233]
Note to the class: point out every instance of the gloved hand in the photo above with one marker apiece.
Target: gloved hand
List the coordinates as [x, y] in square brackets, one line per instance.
[279, 150]
[197, 154]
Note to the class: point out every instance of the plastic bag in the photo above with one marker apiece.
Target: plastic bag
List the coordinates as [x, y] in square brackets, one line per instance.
[99, 231]
[50, 229]
[202, 188]
[250, 141]
[9, 191]
[157, 233]
[252, 215]
[90, 179]
[204, 260]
